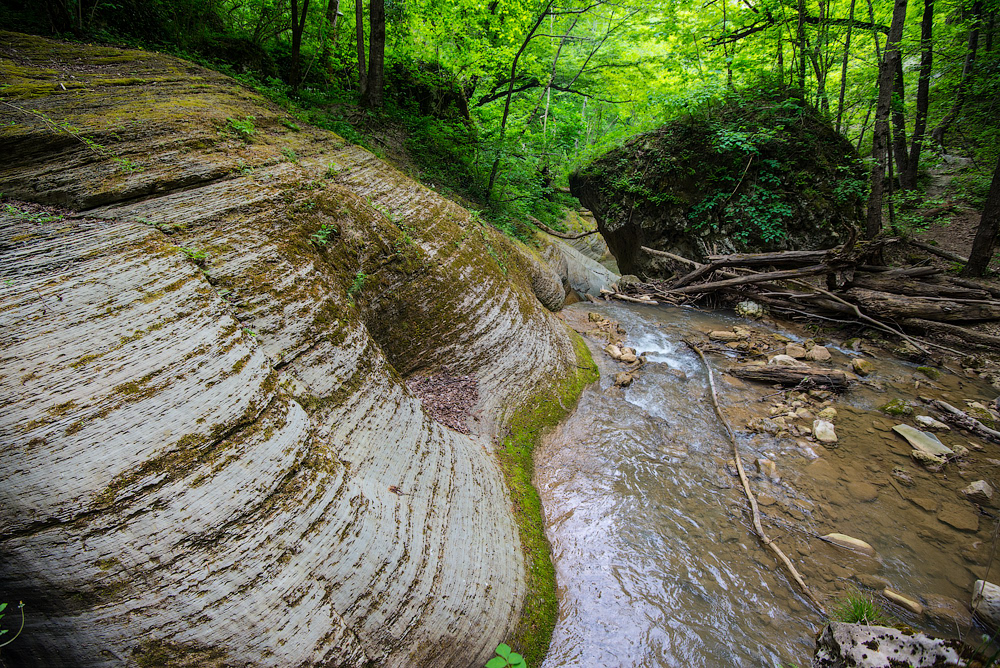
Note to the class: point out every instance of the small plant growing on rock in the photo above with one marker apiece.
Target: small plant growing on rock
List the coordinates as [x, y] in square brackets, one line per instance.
[290, 155]
[323, 234]
[358, 284]
[199, 257]
[506, 657]
[244, 129]
[20, 606]
[856, 608]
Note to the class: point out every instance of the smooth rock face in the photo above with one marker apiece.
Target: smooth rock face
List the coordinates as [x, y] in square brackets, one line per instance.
[841, 645]
[923, 441]
[986, 603]
[224, 467]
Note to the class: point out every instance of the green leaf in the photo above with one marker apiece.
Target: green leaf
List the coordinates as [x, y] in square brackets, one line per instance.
[515, 659]
[496, 662]
[2, 606]
[503, 650]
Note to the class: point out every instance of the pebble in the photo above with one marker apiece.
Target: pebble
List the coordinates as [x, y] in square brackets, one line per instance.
[824, 431]
[851, 543]
[828, 413]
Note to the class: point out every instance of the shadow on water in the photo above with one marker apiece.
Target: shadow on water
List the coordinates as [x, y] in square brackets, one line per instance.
[656, 561]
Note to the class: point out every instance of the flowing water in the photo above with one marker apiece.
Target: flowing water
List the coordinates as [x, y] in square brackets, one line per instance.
[655, 557]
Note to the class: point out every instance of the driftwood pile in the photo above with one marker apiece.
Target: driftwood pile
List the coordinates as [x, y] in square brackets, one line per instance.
[844, 287]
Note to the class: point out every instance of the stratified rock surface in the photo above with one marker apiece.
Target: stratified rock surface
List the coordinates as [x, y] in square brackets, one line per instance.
[211, 457]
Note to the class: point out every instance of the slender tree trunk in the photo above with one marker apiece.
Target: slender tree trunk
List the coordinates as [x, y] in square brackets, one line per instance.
[880, 143]
[372, 97]
[986, 234]
[359, 23]
[843, 67]
[800, 38]
[908, 180]
[781, 61]
[330, 40]
[900, 156]
[990, 31]
[510, 94]
[864, 125]
[298, 25]
[970, 61]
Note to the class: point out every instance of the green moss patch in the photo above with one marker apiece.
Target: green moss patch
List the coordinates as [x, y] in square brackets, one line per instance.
[552, 402]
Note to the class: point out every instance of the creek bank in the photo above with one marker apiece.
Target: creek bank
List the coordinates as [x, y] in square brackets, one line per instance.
[218, 460]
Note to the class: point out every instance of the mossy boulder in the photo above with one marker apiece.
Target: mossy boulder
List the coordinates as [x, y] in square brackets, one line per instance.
[762, 172]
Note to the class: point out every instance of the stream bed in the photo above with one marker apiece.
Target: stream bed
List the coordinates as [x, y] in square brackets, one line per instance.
[655, 557]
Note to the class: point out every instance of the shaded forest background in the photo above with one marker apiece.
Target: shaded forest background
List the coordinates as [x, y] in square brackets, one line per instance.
[495, 103]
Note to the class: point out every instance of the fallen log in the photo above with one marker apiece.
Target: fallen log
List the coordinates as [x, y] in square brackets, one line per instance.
[912, 288]
[763, 259]
[963, 420]
[889, 305]
[788, 375]
[968, 336]
[765, 277]
[940, 252]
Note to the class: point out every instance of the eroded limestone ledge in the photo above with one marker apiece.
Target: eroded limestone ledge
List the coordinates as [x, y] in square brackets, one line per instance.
[204, 409]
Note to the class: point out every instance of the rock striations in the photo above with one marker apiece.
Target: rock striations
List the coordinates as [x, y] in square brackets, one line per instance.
[210, 454]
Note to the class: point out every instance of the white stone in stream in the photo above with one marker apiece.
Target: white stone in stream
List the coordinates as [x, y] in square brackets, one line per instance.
[986, 603]
[903, 601]
[927, 422]
[979, 492]
[818, 354]
[749, 309]
[851, 543]
[785, 360]
[722, 335]
[828, 413]
[823, 431]
[923, 441]
[866, 646]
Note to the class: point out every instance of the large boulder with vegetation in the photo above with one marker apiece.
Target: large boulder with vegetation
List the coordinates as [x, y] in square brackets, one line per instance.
[762, 171]
[211, 456]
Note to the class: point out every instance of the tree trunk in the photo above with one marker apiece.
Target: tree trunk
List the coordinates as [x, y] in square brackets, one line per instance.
[330, 40]
[986, 235]
[843, 67]
[908, 179]
[893, 306]
[880, 143]
[800, 38]
[298, 25]
[359, 24]
[372, 97]
[789, 375]
[899, 152]
[970, 61]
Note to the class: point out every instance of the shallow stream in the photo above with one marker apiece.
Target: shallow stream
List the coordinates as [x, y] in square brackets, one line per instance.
[655, 557]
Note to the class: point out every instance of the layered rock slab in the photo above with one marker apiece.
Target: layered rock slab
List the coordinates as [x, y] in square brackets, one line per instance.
[212, 456]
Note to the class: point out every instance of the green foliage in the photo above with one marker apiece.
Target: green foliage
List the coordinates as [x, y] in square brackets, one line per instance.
[199, 257]
[20, 607]
[243, 128]
[323, 234]
[358, 284]
[858, 608]
[290, 155]
[506, 657]
[30, 216]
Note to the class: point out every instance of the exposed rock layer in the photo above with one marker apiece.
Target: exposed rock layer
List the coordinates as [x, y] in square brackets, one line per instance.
[210, 455]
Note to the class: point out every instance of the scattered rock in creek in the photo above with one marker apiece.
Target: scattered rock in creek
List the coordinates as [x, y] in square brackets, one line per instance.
[624, 379]
[896, 407]
[979, 492]
[923, 441]
[862, 367]
[824, 432]
[796, 350]
[962, 518]
[900, 474]
[871, 581]
[829, 413]
[850, 542]
[903, 601]
[865, 646]
[768, 469]
[750, 309]
[947, 611]
[927, 422]
[760, 425]
[818, 354]
[785, 360]
[725, 337]
[986, 603]
[930, 462]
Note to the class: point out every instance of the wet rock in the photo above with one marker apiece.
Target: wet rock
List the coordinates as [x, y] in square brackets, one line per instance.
[908, 350]
[923, 441]
[896, 407]
[724, 336]
[930, 372]
[962, 518]
[818, 354]
[986, 603]
[612, 350]
[849, 542]
[930, 462]
[979, 492]
[624, 379]
[871, 581]
[796, 350]
[765, 500]
[927, 422]
[823, 431]
[785, 360]
[806, 450]
[829, 413]
[841, 645]
[820, 395]
[628, 355]
[862, 367]
[594, 317]
[900, 474]
[804, 414]
[862, 491]
[903, 601]
[947, 611]
[768, 469]
[960, 451]
[750, 309]
[763, 426]
[925, 502]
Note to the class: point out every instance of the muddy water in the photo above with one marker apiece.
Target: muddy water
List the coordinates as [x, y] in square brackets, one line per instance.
[654, 555]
